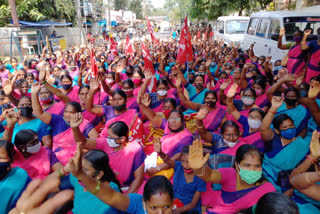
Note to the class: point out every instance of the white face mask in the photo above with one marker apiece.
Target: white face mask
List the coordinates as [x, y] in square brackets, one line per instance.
[112, 143]
[247, 101]
[34, 149]
[230, 144]
[162, 92]
[254, 124]
[110, 81]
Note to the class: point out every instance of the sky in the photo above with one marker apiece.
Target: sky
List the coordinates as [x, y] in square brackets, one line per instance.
[158, 3]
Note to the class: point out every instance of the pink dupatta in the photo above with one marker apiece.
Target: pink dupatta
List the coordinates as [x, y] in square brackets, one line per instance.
[37, 165]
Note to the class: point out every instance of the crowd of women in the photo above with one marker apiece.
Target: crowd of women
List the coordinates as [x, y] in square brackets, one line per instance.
[228, 132]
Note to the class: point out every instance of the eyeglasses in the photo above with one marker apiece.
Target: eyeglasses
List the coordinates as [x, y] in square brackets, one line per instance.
[174, 119]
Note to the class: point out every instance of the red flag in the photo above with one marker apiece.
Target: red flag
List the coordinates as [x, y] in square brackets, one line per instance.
[151, 31]
[128, 48]
[211, 34]
[148, 65]
[137, 132]
[113, 46]
[205, 36]
[185, 52]
[94, 67]
[198, 34]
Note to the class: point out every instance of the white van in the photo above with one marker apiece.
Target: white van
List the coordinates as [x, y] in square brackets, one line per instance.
[264, 27]
[231, 29]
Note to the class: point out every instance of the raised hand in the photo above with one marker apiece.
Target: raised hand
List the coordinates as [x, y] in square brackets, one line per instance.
[208, 62]
[75, 164]
[225, 84]
[35, 88]
[276, 102]
[145, 99]
[148, 74]
[94, 84]
[12, 118]
[233, 90]
[289, 77]
[7, 87]
[196, 158]
[307, 32]
[203, 112]
[282, 32]
[157, 145]
[120, 67]
[177, 83]
[76, 120]
[314, 90]
[315, 145]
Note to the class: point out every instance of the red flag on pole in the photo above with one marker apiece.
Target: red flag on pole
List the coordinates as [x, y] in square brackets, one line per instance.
[137, 132]
[151, 31]
[148, 65]
[113, 46]
[198, 34]
[128, 48]
[94, 67]
[185, 52]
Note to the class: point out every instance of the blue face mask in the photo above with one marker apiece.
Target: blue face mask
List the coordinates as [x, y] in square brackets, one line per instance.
[288, 133]
[277, 68]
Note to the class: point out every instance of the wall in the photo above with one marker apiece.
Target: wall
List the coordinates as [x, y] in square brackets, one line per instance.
[71, 34]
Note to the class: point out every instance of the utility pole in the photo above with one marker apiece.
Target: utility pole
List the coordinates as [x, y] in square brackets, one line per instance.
[109, 17]
[79, 21]
[12, 4]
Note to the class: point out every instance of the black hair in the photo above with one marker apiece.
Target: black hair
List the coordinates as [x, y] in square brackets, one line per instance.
[119, 128]
[30, 75]
[112, 74]
[83, 86]
[129, 82]
[2, 93]
[198, 75]
[243, 150]
[23, 137]
[13, 58]
[103, 68]
[261, 80]
[155, 185]
[66, 76]
[279, 119]
[162, 81]
[276, 203]
[221, 73]
[8, 147]
[20, 82]
[214, 93]
[252, 91]
[56, 67]
[139, 72]
[121, 93]
[75, 105]
[229, 123]
[180, 114]
[24, 97]
[292, 89]
[185, 149]
[261, 112]
[99, 160]
[300, 32]
[172, 101]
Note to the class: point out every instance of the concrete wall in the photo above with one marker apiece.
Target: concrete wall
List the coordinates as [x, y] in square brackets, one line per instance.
[71, 34]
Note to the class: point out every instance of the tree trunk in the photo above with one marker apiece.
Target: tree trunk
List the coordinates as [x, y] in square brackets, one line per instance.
[240, 12]
[12, 4]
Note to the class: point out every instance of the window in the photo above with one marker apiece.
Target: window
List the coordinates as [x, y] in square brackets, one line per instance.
[274, 28]
[236, 26]
[220, 26]
[262, 28]
[252, 26]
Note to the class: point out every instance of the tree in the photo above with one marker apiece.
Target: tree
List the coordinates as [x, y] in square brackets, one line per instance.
[120, 4]
[135, 6]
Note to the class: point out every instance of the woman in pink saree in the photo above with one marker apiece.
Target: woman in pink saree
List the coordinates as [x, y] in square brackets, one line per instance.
[67, 88]
[313, 68]
[126, 159]
[63, 144]
[296, 57]
[116, 112]
[29, 155]
[239, 191]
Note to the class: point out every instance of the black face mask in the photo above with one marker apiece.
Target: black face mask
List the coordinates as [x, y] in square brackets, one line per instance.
[199, 86]
[4, 169]
[129, 73]
[25, 111]
[191, 81]
[241, 65]
[291, 102]
[177, 130]
[120, 107]
[211, 104]
[66, 87]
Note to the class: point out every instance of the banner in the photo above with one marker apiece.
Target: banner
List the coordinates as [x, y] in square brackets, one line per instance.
[137, 132]
[185, 52]
[128, 47]
[151, 31]
[113, 47]
[152, 87]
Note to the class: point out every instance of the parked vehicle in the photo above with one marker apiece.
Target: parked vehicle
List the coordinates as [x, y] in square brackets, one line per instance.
[231, 29]
[264, 27]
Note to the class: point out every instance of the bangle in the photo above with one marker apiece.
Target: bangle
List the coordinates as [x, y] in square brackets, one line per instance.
[44, 82]
[8, 129]
[312, 161]
[199, 127]
[60, 173]
[65, 173]
[97, 188]
[272, 112]
[203, 171]
[307, 178]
